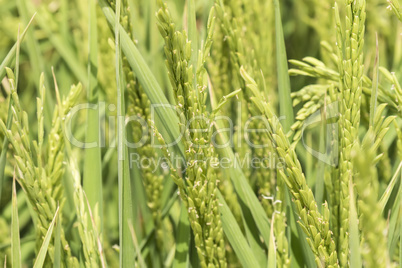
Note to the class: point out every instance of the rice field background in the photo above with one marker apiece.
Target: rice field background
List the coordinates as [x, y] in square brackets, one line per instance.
[200, 133]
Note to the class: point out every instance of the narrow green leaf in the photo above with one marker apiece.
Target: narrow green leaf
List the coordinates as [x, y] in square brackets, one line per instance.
[141, 211]
[250, 203]
[395, 223]
[252, 232]
[285, 101]
[387, 193]
[182, 240]
[64, 24]
[125, 201]
[11, 54]
[150, 31]
[92, 179]
[194, 261]
[57, 244]
[135, 241]
[243, 188]
[253, 236]
[165, 212]
[235, 236]
[36, 60]
[43, 249]
[15, 233]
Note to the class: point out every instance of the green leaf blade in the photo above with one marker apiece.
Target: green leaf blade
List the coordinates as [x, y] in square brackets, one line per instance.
[92, 179]
[45, 245]
[235, 236]
[15, 233]
[285, 101]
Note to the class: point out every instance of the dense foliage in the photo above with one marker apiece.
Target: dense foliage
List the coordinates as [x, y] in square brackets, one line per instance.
[200, 133]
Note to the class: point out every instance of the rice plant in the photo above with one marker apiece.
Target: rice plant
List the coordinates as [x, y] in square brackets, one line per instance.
[200, 133]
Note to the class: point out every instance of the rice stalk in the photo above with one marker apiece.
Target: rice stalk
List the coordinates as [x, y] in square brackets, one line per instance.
[373, 247]
[41, 182]
[227, 210]
[315, 68]
[350, 52]
[237, 50]
[201, 185]
[89, 235]
[314, 224]
[124, 184]
[151, 176]
[279, 227]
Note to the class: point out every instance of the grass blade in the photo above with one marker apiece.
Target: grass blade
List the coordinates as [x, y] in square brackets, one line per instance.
[285, 101]
[125, 205]
[145, 242]
[387, 193]
[235, 236]
[137, 249]
[57, 244]
[182, 240]
[43, 249]
[250, 203]
[394, 223]
[194, 261]
[15, 234]
[36, 61]
[243, 188]
[253, 236]
[11, 54]
[92, 180]
[141, 210]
